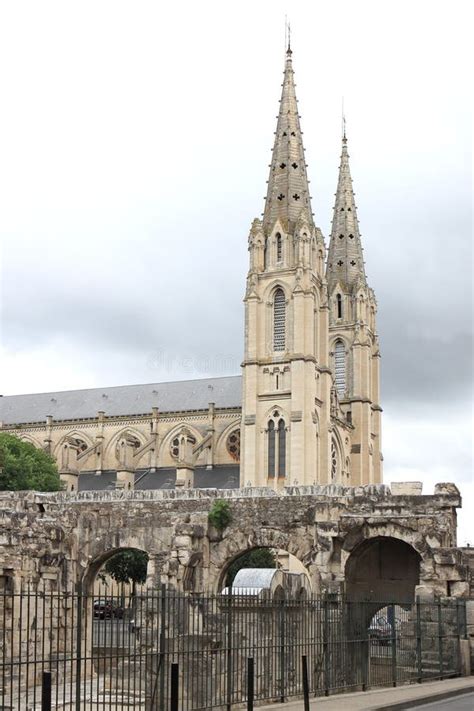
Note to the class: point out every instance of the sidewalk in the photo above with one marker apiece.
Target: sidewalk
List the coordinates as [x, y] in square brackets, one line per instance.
[402, 697]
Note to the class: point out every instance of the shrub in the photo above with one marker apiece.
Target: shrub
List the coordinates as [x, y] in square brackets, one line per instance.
[220, 515]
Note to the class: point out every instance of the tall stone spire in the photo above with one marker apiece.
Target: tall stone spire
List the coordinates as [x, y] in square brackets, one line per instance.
[288, 191]
[345, 258]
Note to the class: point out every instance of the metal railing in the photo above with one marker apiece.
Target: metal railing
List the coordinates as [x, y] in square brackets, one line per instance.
[104, 652]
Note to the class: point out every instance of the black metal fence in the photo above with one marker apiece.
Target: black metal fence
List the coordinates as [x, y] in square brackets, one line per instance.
[104, 652]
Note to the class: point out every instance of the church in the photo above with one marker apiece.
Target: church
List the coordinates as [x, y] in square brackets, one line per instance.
[306, 408]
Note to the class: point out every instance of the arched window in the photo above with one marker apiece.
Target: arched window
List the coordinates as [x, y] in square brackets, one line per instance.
[265, 254]
[279, 247]
[279, 319]
[340, 367]
[271, 449]
[281, 448]
[339, 306]
[276, 446]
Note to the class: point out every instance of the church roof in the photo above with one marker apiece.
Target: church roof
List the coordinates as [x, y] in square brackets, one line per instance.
[345, 258]
[288, 191]
[177, 396]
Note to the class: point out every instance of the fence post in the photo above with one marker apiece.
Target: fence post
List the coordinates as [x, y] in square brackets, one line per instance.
[79, 646]
[418, 641]
[326, 646]
[282, 651]
[250, 684]
[440, 640]
[304, 665]
[229, 650]
[162, 666]
[394, 644]
[174, 688]
[46, 691]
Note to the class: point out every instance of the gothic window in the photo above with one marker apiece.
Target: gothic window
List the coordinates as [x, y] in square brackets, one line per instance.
[339, 305]
[276, 434]
[279, 247]
[233, 445]
[271, 449]
[265, 254]
[281, 448]
[279, 320]
[340, 367]
[174, 447]
[334, 461]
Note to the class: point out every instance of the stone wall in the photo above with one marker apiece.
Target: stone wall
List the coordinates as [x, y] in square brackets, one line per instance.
[61, 539]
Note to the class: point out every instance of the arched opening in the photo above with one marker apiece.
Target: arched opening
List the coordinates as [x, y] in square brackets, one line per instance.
[383, 569]
[339, 306]
[381, 576]
[113, 601]
[254, 569]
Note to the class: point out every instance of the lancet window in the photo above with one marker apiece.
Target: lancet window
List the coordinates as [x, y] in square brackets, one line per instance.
[276, 442]
[340, 366]
[279, 320]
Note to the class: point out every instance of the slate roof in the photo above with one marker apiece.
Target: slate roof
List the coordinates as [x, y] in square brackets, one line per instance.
[177, 396]
[225, 476]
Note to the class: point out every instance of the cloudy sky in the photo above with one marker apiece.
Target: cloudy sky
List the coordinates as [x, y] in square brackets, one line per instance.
[134, 144]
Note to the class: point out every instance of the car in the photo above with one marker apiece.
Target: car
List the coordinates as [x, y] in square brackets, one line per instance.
[102, 609]
[106, 609]
[381, 630]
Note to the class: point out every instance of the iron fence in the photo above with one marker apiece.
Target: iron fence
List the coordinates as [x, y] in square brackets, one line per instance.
[105, 652]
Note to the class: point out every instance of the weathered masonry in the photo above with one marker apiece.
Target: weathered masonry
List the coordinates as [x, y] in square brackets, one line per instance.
[369, 542]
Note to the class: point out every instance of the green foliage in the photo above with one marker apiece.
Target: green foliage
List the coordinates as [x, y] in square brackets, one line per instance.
[256, 558]
[25, 467]
[220, 515]
[128, 566]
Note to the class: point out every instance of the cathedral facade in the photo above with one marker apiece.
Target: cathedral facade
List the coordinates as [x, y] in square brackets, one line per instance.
[305, 410]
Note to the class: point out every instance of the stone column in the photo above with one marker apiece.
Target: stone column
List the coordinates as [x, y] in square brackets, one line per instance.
[70, 479]
[125, 478]
[185, 468]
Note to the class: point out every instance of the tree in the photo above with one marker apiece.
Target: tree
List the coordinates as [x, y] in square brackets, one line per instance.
[256, 558]
[129, 566]
[25, 467]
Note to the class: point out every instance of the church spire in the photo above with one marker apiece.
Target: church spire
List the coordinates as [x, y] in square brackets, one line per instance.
[345, 259]
[288, 191]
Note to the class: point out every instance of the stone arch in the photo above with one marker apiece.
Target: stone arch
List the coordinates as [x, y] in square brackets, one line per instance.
[164, 455]
[90, 573]
[382, 568]
[74, 434]
[30, 439]
[224, 552]
[113, 442]
[272, 287]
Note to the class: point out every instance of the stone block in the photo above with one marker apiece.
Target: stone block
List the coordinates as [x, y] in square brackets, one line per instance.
[406, 488]
[182, 541]
[460, 588]
[446, 488]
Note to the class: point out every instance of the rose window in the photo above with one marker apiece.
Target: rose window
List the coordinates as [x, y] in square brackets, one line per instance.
[233, 445]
